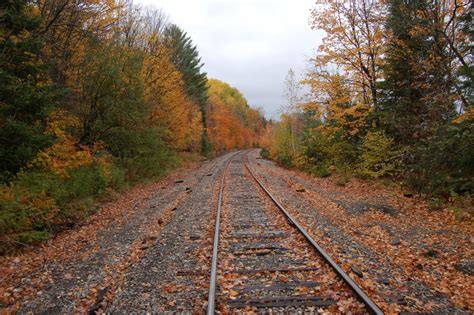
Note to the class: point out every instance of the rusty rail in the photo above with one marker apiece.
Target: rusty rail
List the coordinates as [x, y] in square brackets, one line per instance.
[362, 296]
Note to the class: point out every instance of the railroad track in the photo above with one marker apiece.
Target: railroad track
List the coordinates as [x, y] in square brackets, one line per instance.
[265, 261]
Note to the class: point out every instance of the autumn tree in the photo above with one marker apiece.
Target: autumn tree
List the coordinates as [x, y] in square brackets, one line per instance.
[232, 123]
[25, 92]
[185, 57]
[354, 42]
[291, 108]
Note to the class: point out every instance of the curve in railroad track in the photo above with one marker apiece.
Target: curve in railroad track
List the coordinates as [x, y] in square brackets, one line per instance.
[264, 260]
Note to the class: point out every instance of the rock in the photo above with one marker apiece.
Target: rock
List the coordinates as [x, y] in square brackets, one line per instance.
[300, 190]
[387, 209]
[194, 237]
[147, 239]
[174, 209]
[431, 253]
[160, 221]
[383, 281]
[466, 267]
[419, 266]
[100, 297]
[407, 194]
[357, 271]
[395, 242]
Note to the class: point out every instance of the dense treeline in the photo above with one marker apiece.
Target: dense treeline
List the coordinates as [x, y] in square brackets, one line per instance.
[391, 95]
[232, 123]
[94, 95]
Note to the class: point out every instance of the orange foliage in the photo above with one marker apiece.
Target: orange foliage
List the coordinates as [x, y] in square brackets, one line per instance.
[232, 124]
[225, 130]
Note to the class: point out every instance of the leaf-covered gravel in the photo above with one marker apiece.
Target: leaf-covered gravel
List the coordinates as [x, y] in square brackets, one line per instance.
[411, 259]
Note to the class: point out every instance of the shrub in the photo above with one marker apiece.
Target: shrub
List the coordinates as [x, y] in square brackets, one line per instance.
[328, 146]
[376, 158]
[38, 202]
[33, 237]
[319, 171]
[443, 164]
[85, 181]
[264, 153]
[342, 181]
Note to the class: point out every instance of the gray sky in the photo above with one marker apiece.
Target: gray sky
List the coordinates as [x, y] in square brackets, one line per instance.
[249, 44]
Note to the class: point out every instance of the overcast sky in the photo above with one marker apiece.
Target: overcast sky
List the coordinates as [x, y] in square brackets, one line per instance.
[249, 44]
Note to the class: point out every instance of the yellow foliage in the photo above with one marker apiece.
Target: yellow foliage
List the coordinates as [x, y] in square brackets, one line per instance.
[171, 107]
[66, 153]
[354, 42]
[466, 116]
[332, 101]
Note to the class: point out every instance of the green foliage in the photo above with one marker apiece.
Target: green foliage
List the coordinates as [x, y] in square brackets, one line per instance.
[328, 148]
[376, 157]
[185, 57]
[280, 147]
[443, 164]
[25, 95]
[416, 92]
[264, 153]
[142, 153]
[112, 98]
[206, 145]
[320, 171]
[33, 237]
[37, 202]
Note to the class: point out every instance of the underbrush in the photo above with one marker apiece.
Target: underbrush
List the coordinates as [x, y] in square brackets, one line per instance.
[40, 203]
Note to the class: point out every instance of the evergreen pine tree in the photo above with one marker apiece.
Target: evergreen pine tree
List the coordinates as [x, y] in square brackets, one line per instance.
[186, 58]
[416, 89]
[24, 92]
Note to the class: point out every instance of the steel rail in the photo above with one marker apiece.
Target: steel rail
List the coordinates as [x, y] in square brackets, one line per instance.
[211, 300]
[371, 305]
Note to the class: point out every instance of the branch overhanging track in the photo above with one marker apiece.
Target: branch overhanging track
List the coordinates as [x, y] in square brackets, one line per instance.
[281, 301]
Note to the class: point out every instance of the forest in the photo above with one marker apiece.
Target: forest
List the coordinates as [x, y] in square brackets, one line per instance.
[97, 96]
[390, 98]
[236, 157]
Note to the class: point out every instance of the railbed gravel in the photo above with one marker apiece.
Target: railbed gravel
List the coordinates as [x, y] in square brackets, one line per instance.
[393, 285]
[71, 282]
[173, 275]
[251, 221]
